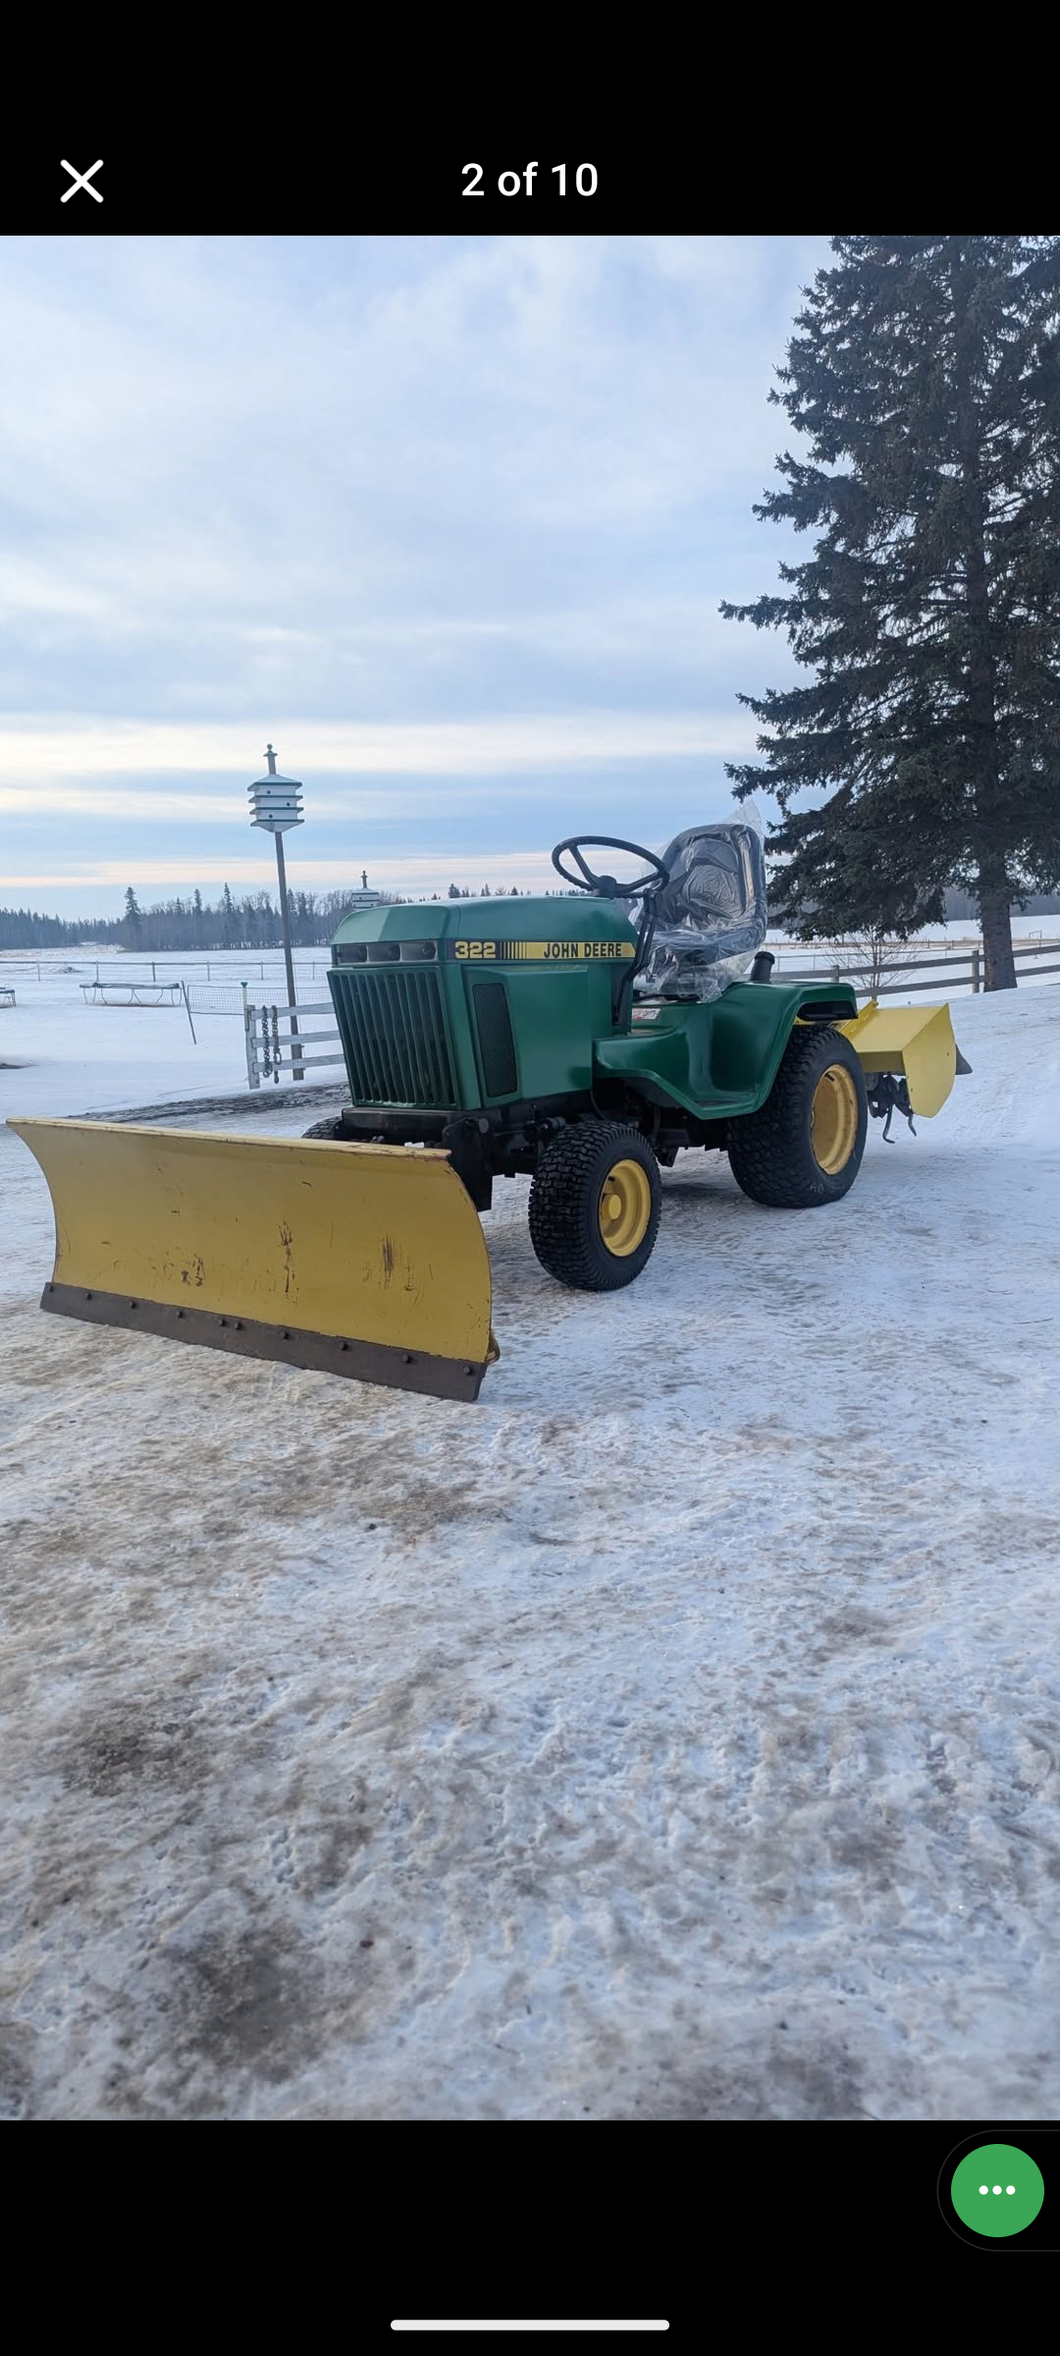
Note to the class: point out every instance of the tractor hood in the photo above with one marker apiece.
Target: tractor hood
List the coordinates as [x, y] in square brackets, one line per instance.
[555, 928]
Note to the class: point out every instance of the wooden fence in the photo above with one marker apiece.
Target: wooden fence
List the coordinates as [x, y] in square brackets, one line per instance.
[845, 969]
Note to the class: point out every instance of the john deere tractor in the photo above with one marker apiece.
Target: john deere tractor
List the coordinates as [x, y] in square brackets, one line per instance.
[582, 1038]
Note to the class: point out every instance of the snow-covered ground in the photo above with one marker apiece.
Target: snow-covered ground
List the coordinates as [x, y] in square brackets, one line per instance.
[673, 1734]
[77, 1056]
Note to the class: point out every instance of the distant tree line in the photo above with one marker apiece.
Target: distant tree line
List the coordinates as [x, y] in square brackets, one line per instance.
[254, 921]
[250, 923]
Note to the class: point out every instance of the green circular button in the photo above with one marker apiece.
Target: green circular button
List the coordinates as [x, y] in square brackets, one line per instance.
[997, 2190]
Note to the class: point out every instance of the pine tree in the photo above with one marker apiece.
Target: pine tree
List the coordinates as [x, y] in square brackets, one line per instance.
[925, 374]
[131, 921]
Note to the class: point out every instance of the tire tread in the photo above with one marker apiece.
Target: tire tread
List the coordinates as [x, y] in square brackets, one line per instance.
[761, 1152]
[556, 1200]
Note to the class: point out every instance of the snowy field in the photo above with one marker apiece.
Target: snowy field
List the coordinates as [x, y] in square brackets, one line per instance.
[672, 1735]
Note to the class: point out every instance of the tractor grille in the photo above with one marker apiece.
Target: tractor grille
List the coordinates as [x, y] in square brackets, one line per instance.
[393, 1034]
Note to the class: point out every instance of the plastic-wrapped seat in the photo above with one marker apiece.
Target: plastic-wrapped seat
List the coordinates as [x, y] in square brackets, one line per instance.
[711, 916]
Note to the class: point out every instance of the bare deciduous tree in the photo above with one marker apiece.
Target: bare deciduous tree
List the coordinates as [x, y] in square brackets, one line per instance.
[873, 957]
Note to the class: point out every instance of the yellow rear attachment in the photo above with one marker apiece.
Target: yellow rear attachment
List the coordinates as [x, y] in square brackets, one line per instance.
[915, 1040]
[364, 1260]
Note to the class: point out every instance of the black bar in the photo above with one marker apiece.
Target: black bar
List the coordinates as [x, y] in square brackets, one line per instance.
[166, 169]
[367, 1362]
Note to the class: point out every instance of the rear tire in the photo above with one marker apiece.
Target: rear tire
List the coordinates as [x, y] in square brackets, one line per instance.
[594, 1206]
[805, 1144]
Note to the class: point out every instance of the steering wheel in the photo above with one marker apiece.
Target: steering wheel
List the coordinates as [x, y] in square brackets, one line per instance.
[605, 886]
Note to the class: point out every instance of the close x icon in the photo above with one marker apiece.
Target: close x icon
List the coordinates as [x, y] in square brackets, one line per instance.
[81, 181]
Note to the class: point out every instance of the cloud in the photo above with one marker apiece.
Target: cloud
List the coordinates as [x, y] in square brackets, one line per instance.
[450, 518]
[219, 455]
[49, 760]
[406, 874]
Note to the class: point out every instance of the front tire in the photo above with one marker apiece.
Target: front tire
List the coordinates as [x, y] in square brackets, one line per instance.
[594, 1206]
[331, 1128]
[804, 1145]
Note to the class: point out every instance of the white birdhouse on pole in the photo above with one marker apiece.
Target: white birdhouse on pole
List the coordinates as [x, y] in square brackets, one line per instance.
[275, 801]
[276, 805]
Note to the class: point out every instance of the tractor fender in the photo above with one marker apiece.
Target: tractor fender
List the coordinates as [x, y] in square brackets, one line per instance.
[754, 1025]
[718, 1058]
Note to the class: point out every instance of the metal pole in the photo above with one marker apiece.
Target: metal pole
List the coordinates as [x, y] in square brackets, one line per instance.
[285, 919]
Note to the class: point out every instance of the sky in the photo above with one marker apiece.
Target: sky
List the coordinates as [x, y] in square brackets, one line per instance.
[446, 520]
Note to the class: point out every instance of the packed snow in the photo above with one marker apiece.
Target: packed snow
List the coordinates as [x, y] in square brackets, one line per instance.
[674, 1734]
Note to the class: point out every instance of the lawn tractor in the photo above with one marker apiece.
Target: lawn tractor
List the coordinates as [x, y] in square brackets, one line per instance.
[583, 1039]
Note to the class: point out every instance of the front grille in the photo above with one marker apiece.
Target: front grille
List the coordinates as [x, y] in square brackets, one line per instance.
[393, 1034]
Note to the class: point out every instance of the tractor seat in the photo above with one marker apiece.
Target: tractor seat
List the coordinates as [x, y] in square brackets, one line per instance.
[710, 917]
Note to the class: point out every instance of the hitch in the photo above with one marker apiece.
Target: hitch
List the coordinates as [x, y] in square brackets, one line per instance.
[888, 1096]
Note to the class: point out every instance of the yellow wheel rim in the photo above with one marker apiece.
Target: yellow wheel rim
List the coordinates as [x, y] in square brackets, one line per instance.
[624, 1208]
[834, 1119]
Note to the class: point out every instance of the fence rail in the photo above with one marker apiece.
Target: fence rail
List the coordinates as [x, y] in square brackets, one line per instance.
[844, 969]
[225, 978]
[223, 963]
[217, 970]
[276, 1043]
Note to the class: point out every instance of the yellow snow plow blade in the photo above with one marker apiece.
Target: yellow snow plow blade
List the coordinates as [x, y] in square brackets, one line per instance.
[363, 1260]
[916, 1040]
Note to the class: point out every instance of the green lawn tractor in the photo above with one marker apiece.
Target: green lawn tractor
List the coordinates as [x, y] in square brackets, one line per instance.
[583, 1039]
